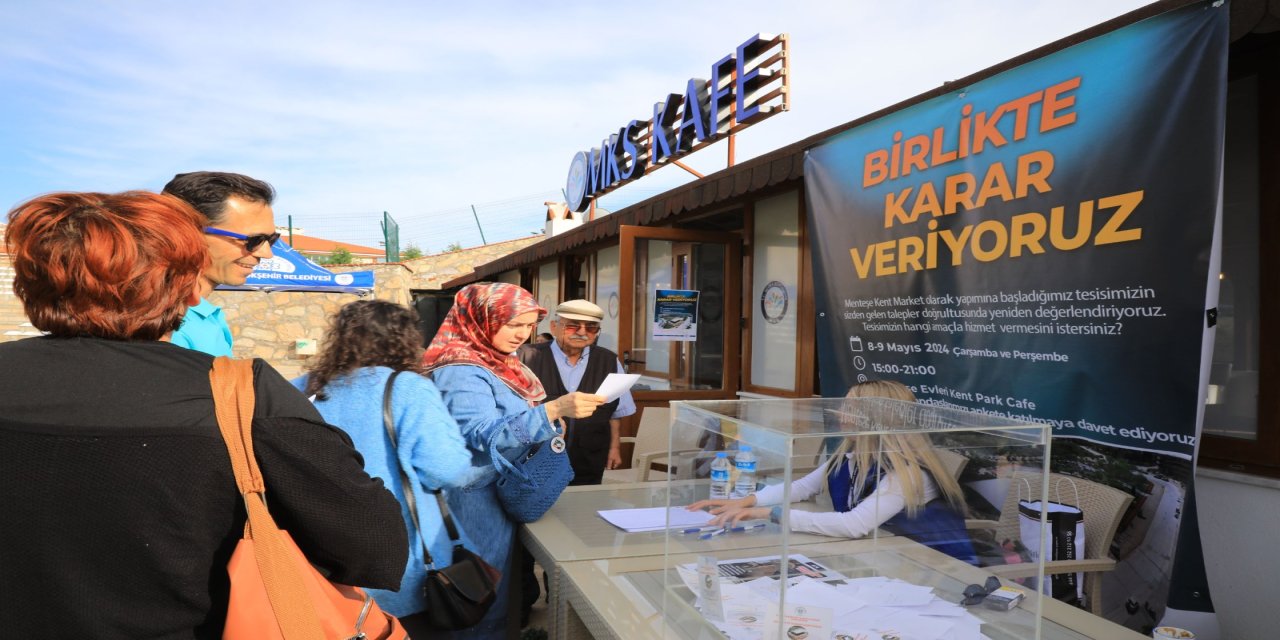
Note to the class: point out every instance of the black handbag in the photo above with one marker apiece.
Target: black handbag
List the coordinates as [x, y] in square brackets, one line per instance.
[529, 486]
[459, 595]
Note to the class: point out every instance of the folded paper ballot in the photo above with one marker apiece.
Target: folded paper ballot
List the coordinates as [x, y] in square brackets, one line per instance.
[616, 384]
[655, 518]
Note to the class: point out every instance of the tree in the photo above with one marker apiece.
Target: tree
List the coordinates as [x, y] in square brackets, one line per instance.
[453, 246]
[339, 256]
[410, 252]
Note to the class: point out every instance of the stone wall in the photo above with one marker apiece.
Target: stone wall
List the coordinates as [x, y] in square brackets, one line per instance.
[431, 272]
[13, 320]
[268, 324]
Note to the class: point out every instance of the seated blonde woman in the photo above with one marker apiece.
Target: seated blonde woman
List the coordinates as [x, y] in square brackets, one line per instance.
[890, 481]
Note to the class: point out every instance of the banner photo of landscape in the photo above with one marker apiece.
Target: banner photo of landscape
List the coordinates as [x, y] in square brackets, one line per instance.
[289, 270]
[1037, 245]
[675, 315]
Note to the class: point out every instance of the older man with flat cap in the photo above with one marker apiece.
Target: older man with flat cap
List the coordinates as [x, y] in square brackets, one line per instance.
[572, 362]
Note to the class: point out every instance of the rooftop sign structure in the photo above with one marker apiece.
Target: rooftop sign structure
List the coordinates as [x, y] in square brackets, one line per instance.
[746, 87]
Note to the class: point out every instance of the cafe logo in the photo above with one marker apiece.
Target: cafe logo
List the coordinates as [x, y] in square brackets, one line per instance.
[774, 302]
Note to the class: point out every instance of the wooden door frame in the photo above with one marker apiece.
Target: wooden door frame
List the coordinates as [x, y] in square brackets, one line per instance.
[729, 379]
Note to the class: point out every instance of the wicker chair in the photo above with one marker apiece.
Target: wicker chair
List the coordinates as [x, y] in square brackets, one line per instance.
[1102, 507]
[954, 462]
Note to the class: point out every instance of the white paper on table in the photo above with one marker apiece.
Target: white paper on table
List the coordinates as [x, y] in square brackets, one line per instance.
[815, 593]
[939, 607]
[863, 619]
[800, 621]
[616, 384]
[655, 518]
[927, 627]
[898, 594]
[745, 618]
[771, 588]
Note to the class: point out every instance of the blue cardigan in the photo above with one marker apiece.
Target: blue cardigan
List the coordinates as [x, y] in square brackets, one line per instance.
[492, 418]
[429, 444]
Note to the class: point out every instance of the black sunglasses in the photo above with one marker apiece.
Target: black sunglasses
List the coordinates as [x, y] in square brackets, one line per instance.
[251, 243]
[975, 593]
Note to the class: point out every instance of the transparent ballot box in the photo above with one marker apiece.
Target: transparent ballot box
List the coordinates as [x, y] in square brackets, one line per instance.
[854, 518]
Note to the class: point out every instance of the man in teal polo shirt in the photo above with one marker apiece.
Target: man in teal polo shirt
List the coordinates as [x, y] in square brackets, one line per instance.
[240, 228]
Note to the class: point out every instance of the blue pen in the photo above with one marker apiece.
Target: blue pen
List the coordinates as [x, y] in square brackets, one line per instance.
[699, 529]
[749, 527]
[717, 532]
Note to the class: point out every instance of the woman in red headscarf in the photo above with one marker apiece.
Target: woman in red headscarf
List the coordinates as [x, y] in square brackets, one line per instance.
[494, 397]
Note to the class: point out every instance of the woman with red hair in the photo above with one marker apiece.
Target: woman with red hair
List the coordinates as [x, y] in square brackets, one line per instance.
[117, 492]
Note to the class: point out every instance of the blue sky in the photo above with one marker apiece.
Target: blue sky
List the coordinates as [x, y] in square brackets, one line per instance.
[423, 109]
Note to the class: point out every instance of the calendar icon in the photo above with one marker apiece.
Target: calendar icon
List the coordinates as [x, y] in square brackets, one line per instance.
[855, 343]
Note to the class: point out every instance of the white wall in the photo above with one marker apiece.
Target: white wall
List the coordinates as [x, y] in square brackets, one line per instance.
[607, 274]
[776, 248]
[1239, 522]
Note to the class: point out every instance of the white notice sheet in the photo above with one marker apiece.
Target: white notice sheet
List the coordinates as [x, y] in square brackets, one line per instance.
[616, 384]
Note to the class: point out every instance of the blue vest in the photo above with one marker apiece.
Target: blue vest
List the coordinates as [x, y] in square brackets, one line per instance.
[937, 525]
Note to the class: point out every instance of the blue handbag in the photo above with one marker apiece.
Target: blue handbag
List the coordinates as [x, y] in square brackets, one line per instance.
[532, 483]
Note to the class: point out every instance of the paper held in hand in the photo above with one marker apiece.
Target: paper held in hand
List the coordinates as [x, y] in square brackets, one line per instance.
[616, 384]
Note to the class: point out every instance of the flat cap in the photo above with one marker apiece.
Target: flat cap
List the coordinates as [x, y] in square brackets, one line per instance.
[583, 310]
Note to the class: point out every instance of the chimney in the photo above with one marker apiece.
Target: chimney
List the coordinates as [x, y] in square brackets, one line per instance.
[560, 219]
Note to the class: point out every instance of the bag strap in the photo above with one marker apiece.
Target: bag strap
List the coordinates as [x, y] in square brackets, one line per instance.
[233, 401]
[1058, 487]
[1027, 483]
[389, 422]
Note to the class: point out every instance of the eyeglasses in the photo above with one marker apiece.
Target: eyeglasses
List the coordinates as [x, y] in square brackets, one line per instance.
[975, 593]
[251, 243]
[574, 327]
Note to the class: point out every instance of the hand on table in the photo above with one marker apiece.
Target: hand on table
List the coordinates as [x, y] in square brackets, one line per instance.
[719, 505]
[731, 511]
[734, 515]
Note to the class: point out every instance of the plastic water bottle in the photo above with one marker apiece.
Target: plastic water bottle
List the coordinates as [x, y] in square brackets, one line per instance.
[745, 462]
[720, 484]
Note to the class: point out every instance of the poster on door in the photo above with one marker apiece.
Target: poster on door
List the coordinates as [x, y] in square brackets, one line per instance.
[675, 315]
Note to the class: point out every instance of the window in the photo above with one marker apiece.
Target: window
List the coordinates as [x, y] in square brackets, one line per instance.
[1242, 419]
[774, 297]
[548, 292]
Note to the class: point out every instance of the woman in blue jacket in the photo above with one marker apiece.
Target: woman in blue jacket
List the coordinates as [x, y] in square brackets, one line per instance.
[494, 398]
[368, 341]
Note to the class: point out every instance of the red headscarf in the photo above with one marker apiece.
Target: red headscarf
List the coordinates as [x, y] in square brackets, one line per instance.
[479, 311]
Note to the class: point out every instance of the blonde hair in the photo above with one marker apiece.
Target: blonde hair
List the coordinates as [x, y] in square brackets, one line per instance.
[907, 455]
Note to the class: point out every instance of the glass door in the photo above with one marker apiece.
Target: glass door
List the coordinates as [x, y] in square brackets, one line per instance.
[679, 324]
